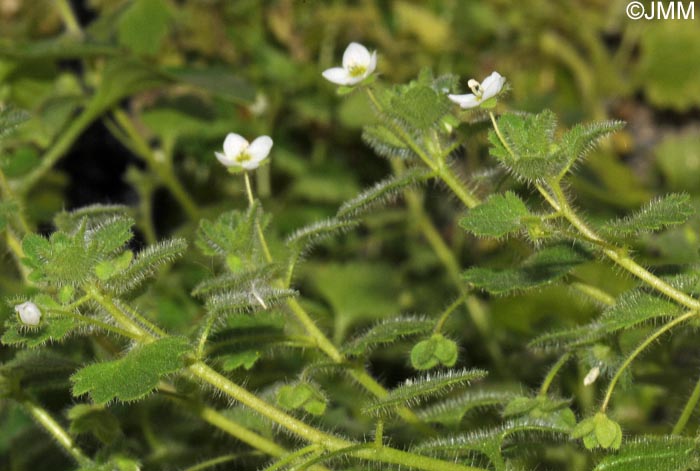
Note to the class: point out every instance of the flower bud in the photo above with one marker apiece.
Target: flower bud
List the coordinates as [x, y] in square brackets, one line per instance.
[29, 313]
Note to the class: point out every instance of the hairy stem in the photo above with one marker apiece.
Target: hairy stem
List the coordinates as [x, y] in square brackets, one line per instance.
[44, 418]
[618, 255]
[648, 341]
[553, 373]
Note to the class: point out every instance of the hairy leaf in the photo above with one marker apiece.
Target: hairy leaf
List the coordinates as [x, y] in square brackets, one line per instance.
[387, 331]
[415, 391]
[670, 210]
[134, 375]
[665, 453]
[306, 237]
[451, 411]
[146, 264]
[383, 191]
[499, 215]
[543, 267]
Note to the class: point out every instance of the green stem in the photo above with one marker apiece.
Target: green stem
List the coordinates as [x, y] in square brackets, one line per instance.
[618, 255]
[665, 328]
[553, 373]
[441, 170]
[161, 167]
[57, 149]
[69, 19]
[446, 314]
[210, 463]
[120, 316]
[45, 419]
[97, 323]
[291, 457]
[687, 410]
[258, 229]
[593, 292]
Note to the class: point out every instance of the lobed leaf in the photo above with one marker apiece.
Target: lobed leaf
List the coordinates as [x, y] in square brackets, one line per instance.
[415, 391]
[134, 375]
[543, 267]
[498, 216]
[237, 280]
[670, 210]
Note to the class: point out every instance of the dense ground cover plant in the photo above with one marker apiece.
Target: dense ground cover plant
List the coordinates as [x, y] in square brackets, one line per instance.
[509, 297]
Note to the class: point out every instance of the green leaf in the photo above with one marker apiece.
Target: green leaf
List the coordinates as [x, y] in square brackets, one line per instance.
[598, 430]
[306, 237]
[384, 142]
[670, 210]
[302, 396]
[499, 215]
[134, 375]
[385, 332]
[543, 267]
[663, 70]
[383, 192]
[218, 81]
[437, 350]
[245, 359]
[145, 264]
[679, 161]
[420, 106]
[531, 153]
[49, 330]
[415, 391]
[87, 418]
[582, 138]
[658, 453]
[451, 411]
[143, 26]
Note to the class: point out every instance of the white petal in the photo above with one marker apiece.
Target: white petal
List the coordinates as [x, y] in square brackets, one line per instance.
[492, 85]
[356, 55]
[465, 101]
[29, 313]
[234, 145]
[372, 63]
[226, 160]
[259, 149]
[250, 164]
[337, 75]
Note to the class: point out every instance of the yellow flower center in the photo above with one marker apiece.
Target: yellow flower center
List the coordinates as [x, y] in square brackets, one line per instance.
[357, 70]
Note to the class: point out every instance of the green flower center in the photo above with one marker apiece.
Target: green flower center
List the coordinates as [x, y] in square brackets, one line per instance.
[243, 157]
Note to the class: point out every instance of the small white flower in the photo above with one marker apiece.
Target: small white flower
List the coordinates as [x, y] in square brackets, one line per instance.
[489, 88]
[358, 64]
[239, 153]
[591, 376]
[29, 313]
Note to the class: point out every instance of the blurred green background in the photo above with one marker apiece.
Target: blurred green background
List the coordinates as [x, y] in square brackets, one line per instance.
[128, 100]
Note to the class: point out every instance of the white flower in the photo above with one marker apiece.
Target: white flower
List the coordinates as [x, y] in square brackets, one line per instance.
[490, 87]
[239, 153]
[358, 64]
[29, 313]
[591, 376]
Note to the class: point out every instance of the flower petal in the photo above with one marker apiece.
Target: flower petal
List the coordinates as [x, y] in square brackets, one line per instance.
[372, 63]
[226, 160]
[337, 75]
[356, 55]
[465, 101]
[492, 85]
[250, 164]
[234, 145]
[259, 149]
